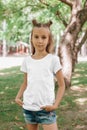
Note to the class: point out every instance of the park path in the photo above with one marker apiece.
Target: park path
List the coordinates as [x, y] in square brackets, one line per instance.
[7, 62]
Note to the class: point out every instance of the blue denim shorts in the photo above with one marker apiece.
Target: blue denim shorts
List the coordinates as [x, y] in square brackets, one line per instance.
[39, 117]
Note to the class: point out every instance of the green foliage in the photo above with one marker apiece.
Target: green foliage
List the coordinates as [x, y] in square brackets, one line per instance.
[18, 15]
[83, 1]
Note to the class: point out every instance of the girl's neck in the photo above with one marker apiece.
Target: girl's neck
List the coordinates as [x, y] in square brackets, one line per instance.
[38, 55]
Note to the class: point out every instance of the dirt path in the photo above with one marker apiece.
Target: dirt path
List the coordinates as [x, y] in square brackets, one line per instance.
[7, 62]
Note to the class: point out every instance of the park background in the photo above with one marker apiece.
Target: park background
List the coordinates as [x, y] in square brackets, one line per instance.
[69, 29]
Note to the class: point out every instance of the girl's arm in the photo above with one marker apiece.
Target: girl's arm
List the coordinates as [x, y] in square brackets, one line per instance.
[61, 89]
[60, 92]
[18, 99]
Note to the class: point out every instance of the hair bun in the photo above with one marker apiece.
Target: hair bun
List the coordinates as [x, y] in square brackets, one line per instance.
[34, 22]
[49, 23]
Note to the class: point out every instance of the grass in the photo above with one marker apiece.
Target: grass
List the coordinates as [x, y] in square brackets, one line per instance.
[71, 114]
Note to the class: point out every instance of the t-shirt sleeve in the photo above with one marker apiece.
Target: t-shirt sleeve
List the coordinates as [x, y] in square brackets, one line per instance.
[23, 67]
[56, 64]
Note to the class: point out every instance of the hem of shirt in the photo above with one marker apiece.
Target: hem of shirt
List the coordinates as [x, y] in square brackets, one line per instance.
[30, 109]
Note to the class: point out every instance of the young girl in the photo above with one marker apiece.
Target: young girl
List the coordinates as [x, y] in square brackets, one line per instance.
[39, 101]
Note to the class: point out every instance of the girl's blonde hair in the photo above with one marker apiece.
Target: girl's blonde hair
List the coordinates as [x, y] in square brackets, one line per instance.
[50, 45]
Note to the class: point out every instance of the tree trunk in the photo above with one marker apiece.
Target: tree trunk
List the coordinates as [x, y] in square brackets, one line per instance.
[66, 61]
[68, 50]
[4, 48]
[4, 40]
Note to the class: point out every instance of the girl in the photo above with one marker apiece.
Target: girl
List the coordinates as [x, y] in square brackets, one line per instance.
[39, 101]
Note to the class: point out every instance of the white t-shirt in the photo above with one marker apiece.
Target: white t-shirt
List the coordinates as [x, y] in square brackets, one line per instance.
[40, 81]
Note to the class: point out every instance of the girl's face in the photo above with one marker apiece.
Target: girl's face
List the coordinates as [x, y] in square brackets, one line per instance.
[40, 38]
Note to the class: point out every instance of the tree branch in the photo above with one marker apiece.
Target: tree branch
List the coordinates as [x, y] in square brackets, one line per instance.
[68, 2]
[77, 4]
[44, 2]
[61, 18]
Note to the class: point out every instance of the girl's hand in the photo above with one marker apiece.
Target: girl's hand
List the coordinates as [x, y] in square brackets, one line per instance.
[49, 107]
[19, 101]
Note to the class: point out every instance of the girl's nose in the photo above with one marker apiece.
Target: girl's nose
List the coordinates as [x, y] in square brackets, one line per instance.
[40, 40]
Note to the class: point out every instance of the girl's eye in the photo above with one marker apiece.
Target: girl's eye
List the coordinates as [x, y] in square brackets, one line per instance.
[43, 37]
[36, 36]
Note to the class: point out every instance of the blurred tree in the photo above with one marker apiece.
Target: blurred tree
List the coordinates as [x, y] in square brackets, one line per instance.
[69, 19]
[71, 42]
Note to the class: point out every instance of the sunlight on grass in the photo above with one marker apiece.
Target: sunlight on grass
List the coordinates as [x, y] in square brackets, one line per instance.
[10, 71]
[76, 81]
[2, 92]
[7, 73]
[80, 74]
[79, 88]
[81, 101]
[79, 127]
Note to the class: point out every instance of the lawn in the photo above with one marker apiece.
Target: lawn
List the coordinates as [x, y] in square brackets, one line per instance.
[71, 114]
